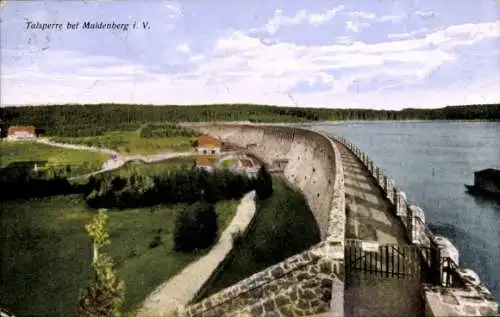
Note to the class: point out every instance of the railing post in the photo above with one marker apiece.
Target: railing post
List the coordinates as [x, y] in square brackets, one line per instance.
[386, 186]
[399, 202]
[404, 207]
[396, 200]
[410, 223]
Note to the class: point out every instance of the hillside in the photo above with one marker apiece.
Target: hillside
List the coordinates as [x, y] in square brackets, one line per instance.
[91, 120]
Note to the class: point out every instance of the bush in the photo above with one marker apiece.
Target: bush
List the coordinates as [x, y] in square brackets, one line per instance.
[155, 242]
[237, 238]
[22, 183]
[263, 184]
[195, 227]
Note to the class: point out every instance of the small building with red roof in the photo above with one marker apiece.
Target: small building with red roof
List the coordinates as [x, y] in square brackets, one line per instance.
[21, 132]
[208, 145]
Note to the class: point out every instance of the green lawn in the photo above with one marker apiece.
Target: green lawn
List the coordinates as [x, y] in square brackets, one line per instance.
[229, 162]
[284, 226]
[11, 152]
[46, 252]
[130, 142]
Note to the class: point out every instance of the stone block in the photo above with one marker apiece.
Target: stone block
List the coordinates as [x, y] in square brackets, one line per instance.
[447, 248]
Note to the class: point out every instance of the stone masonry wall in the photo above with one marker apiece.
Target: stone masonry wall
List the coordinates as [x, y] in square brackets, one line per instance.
[314, 166]
[299, 286]
[308, 283]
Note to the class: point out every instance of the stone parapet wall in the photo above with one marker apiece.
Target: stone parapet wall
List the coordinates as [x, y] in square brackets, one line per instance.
[301, 285]
[467, 296]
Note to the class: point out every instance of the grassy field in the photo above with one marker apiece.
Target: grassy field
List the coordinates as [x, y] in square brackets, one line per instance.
[283, 227]
[46, 252]
[11, 152]
[229, 163]
[130, 142]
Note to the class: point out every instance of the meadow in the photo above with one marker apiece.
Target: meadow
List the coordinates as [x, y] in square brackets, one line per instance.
[81, 160]
[132, 143]
[46, 252]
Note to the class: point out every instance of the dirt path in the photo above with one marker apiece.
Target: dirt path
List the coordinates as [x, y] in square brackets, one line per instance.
[179, 290]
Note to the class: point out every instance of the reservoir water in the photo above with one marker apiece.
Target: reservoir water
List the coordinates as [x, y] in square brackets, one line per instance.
[431, 161]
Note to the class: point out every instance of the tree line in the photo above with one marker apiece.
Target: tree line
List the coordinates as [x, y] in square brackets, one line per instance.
[20, 181]
[109, 190]
[89, 120]
[163, 130]
[180, 186]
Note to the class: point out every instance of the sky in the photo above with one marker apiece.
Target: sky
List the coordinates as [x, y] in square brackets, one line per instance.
[376, 54]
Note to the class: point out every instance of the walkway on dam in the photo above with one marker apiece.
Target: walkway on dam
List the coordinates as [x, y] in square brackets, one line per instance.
[370, 218]
[369, 212]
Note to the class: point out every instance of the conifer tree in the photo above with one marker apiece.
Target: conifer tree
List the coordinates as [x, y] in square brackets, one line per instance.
[263, 184]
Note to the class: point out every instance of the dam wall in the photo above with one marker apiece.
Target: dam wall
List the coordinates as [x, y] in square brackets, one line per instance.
[313, 166]
[312, 281]
[456, 291]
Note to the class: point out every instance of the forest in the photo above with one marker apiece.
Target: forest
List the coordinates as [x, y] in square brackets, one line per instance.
[91, 120]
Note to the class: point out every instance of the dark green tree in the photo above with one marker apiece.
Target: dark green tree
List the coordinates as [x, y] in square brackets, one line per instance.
[195, 227]
[263, 184]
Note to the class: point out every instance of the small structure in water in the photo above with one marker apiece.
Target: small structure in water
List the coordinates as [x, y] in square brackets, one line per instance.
[486, 183]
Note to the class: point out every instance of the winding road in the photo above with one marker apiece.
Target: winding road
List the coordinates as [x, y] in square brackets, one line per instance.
[119, 160]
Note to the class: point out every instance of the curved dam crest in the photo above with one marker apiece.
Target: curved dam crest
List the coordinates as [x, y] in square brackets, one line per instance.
[313, 282]
[311, 164]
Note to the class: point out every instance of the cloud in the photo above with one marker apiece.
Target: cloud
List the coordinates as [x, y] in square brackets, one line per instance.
[344, 40]
[278, 20]
[354, 26]
[391, 18]
[184, 48]
[426, 14]
[406, 35]
[464, 34]
[333, 57]
[174, 8]
[317, 19]
[361, 15]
